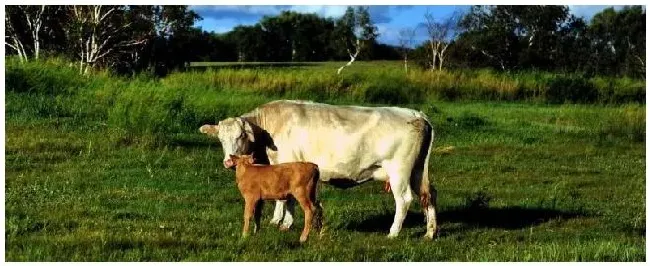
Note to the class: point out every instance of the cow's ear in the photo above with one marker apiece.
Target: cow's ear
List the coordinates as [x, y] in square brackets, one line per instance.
[212, 130]
[249, 131]
[251, 159]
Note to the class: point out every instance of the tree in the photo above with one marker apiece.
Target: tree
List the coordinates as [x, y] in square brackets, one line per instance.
[433, 33]
[447, 31]
[406, 36]
[515, 36]
[355, 30]
[96, 33]
[165, 36]
[618, 40]
[21, 19]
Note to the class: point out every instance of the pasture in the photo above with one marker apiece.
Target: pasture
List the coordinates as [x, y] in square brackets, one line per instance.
[103, 168]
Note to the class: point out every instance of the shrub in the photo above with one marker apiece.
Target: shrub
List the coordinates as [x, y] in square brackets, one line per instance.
[571, 89]
[628, 124]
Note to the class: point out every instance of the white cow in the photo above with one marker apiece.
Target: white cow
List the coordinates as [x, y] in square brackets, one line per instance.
[350, 144]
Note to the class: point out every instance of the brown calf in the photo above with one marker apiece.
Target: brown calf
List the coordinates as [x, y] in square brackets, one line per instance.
[277, 182]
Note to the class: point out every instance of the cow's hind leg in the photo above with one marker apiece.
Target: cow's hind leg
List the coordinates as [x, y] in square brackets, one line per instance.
[432, 223]
[278, 212]
[403, 197]
[283, 213]
[288, 214]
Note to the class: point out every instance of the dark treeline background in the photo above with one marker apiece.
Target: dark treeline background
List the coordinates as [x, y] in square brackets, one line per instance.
[157, 39]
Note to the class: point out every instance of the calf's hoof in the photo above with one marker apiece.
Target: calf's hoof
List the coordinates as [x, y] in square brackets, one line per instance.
[303, 239]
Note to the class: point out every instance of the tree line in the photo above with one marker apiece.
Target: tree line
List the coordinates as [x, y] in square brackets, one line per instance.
[132, 39]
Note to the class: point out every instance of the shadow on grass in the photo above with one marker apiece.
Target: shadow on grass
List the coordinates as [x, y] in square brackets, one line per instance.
[506, 218]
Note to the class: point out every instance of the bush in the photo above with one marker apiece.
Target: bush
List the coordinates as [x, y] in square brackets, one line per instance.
[628, 124]
[572, 90]
[620, 90]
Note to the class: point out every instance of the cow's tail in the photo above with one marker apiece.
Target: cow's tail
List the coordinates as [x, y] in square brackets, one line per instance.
[422, 167]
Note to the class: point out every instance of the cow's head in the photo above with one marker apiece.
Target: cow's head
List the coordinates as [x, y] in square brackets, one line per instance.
[235, 135]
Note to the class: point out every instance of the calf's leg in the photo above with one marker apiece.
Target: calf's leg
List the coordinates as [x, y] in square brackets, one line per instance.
[249, 208]
[308, 208]
[258, 215]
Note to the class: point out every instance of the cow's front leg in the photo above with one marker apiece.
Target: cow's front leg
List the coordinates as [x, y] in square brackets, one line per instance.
[278, 212]
[288, 215]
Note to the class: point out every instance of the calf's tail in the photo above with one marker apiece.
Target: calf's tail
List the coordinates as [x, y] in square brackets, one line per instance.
[317, 223]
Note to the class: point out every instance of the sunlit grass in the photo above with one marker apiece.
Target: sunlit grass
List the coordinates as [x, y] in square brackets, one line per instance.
[103, 168]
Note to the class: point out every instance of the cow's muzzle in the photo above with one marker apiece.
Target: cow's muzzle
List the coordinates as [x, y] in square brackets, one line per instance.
[228, 163]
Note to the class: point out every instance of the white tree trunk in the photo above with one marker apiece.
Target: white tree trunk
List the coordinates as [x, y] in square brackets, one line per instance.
[19, 48]
[434, 54]
[441, 55]
[95, 46]
[15, 43]
[352, 57]
[406, 64]
[34, 23]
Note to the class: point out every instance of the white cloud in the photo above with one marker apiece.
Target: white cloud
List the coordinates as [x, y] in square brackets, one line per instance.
[325, 11]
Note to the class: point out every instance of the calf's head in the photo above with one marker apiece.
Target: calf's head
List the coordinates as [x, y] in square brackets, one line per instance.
[242, 159]
[235, 135]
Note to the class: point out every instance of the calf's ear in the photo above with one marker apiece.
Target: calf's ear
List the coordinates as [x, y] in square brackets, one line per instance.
[234, 157]
[211, 130]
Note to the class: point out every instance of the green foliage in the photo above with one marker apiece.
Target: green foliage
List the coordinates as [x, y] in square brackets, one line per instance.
[51, 77]
[571, 90]
[551, 38]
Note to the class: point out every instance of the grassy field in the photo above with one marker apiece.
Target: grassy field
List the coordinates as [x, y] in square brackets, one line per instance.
[108, 169]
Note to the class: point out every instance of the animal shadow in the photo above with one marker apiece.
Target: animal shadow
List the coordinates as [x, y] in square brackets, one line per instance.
[490, 217]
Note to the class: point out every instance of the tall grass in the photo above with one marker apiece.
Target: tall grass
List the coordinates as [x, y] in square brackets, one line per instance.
[181, 101]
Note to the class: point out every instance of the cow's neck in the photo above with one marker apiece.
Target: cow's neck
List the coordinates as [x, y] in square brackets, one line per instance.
[263, 139]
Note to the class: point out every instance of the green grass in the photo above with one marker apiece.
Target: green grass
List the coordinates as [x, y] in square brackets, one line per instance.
[108, 169]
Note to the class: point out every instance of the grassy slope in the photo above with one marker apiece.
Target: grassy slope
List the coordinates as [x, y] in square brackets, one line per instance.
[563, 185]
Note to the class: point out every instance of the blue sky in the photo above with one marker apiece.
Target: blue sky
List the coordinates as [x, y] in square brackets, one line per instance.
[388, 19]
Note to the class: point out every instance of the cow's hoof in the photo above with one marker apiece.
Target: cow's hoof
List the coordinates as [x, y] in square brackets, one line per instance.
[274, 222]
[431, 235]
[392, 236]
[284, 228]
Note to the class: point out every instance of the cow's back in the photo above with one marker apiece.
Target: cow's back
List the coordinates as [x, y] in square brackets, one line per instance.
[344, 141]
